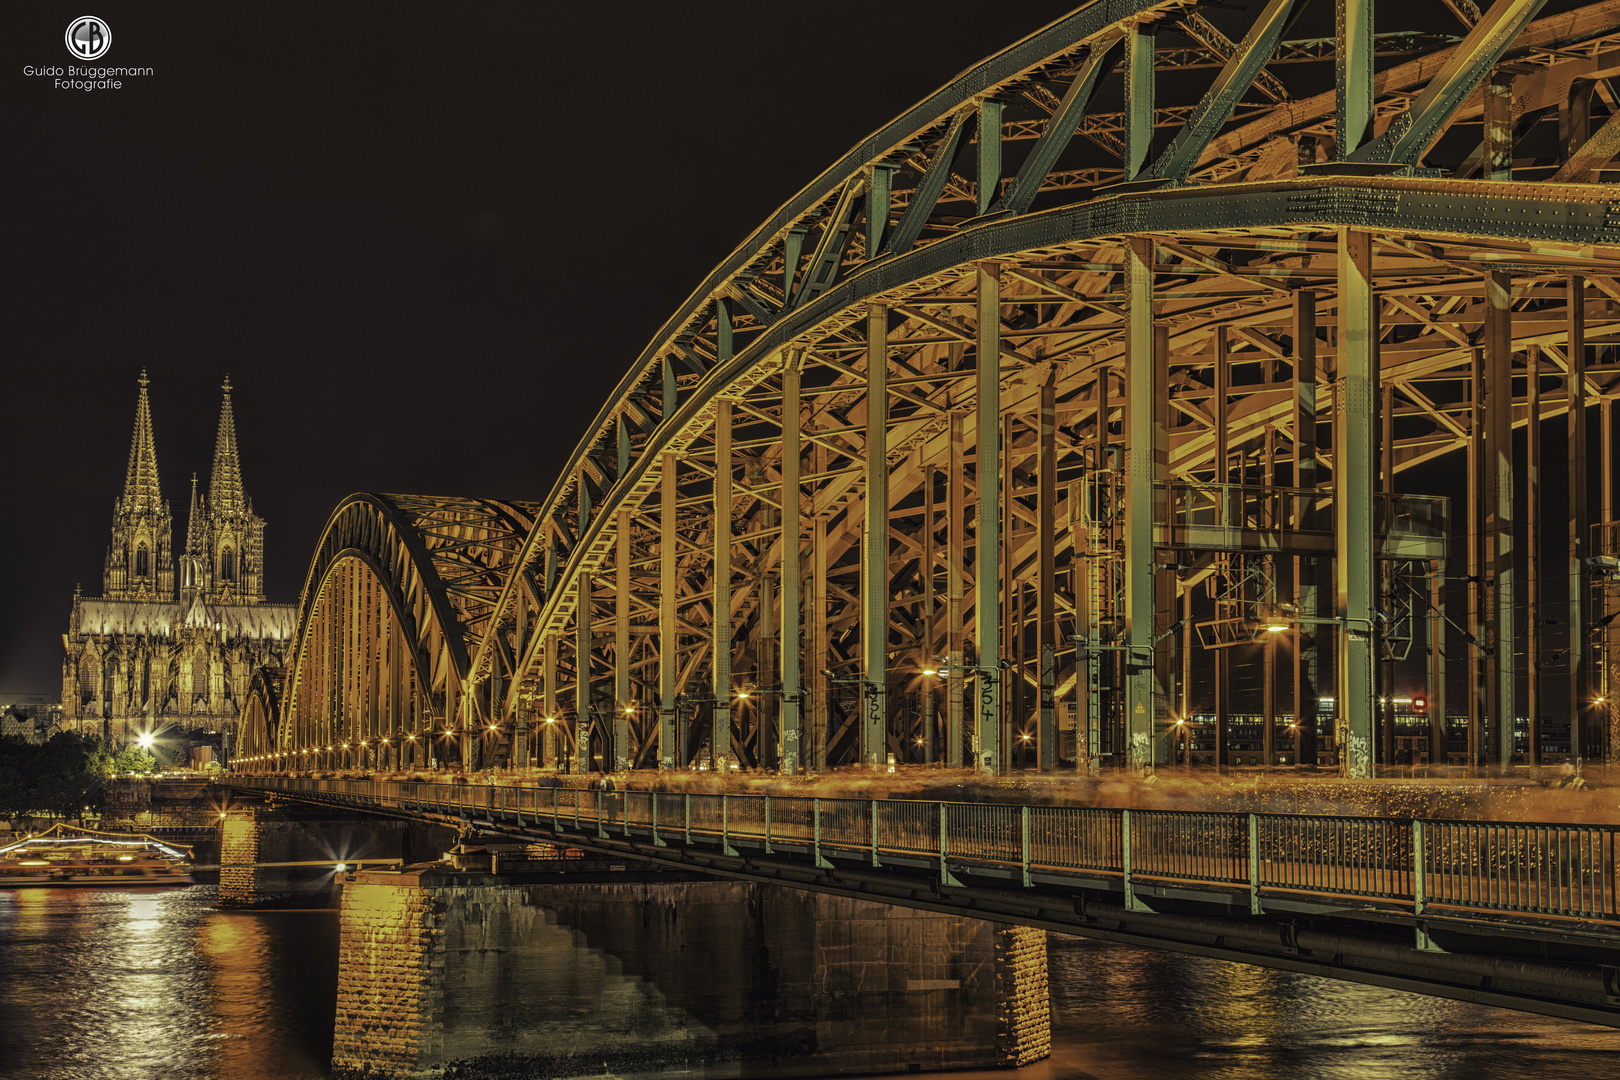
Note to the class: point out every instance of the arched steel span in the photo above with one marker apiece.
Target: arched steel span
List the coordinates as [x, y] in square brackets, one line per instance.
[398, 590]
[261, 713]
[1190, 366]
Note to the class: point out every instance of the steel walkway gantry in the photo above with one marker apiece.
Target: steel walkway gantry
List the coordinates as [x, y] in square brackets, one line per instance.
[1165, 317]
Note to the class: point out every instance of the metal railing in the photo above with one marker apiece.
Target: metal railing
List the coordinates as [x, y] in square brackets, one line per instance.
[1408, 864]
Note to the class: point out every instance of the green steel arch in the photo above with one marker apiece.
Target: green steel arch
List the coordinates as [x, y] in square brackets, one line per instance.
[1113, 375]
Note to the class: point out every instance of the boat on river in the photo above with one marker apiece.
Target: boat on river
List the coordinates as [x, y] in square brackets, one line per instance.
[66, 856]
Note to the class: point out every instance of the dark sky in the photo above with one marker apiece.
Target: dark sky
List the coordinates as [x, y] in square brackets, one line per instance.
[423, 240]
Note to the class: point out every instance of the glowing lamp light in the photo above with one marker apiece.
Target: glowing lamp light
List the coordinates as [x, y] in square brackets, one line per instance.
[410, 738]
[742, 695]
[146, 741]
[492, 727]
[222, 815]
[551, 719]
[126, 858]
[33, 862]
[1276, 628]
[630, 710]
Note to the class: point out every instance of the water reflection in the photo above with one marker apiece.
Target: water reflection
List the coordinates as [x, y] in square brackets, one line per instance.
[129, 984]
[1134, 1013]
[141, 984]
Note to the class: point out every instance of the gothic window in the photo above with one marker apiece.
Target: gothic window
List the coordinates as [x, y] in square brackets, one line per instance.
[142, 561]
[88, 677]
[199, 676]
[227, 565]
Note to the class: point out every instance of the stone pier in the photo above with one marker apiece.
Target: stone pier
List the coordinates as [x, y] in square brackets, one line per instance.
[708, 979]
[321, 839]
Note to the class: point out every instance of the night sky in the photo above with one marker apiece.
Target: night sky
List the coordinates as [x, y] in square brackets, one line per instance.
[425, 241]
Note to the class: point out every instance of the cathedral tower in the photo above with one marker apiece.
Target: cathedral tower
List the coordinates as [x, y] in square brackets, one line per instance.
[140, 564]
[234, 540]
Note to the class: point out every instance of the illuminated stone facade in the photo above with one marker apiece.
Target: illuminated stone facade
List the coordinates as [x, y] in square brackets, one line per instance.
[168, 643]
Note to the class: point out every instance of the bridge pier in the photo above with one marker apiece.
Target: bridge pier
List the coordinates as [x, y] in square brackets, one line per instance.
[719, 978]
[281, 856]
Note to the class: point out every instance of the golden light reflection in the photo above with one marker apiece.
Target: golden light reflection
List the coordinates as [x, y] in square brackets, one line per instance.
[236, 946]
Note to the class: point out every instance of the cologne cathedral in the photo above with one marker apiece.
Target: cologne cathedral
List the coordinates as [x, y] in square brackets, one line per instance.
[176, 635]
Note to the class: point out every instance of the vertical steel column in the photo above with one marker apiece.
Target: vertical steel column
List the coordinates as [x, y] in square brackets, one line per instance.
[1184, 721]
[1139, 86]
[720, 668]
[1388, 575]
[1355, 407]
[1223, 475]
[553, 736]
[1222, 380]
[1606, 460]
[1606, 686]
[792, 571]
[1579, 516]
[821, 717]
[1437, 663]
[1303, 425]
[1012, 607]
[1474, 540]
[1532, 552]
[875, 545]
[987, 553]
[1147, 451]
[1268, 649]
[1046, 589]
[1353, 71]
[927, 620]
[1092, 571]
[955, 545]
[523, 713]
[621, 646]
[989, 153]
[879, 179]
[584, 760]
[668, 651]
[1498, 126]
[765, 659]
[1499, 513]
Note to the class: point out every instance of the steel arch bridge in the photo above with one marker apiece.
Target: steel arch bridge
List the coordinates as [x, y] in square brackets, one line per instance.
[1140, 344]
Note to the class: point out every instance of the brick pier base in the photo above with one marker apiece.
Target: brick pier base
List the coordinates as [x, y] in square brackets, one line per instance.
[708, 979]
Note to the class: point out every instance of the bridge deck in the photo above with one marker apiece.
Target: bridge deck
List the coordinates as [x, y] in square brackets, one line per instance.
[1514, 914]
[1504, 869]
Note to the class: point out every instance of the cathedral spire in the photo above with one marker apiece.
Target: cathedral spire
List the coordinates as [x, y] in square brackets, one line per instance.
[141, 491]
[195, 527]
[193, 565]
[139, 564]
[225, 488]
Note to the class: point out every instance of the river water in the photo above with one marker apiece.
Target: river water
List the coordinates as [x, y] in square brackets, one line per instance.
[142, 985]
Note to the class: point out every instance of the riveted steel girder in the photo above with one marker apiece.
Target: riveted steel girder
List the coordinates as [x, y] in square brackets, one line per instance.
[774, 436]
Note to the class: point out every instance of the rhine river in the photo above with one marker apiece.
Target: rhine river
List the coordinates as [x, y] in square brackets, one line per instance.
[140, 985]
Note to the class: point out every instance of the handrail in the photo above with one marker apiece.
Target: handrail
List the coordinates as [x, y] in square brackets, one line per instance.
[1517, 868]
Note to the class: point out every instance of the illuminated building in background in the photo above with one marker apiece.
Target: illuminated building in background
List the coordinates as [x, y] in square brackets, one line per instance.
[167, 644]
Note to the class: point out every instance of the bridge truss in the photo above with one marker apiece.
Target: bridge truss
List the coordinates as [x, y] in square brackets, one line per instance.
[1164, 334]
